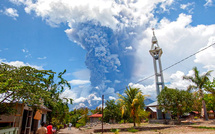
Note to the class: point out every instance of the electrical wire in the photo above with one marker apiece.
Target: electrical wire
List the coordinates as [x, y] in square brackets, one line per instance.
[168, 66]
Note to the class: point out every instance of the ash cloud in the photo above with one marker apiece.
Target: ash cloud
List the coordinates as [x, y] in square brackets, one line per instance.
[107, 58]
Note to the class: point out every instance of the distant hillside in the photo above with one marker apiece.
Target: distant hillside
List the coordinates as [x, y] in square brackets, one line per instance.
[148, 101]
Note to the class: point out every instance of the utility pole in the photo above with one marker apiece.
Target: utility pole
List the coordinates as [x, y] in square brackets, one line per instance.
[102, 111]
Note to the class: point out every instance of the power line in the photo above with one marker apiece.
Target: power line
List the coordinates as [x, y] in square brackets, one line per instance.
[170, 66]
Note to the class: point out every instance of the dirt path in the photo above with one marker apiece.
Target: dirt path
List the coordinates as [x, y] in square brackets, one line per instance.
[174, 129]
[72, 131]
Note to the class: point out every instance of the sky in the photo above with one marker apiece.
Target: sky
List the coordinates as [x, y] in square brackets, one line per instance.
[104, 44]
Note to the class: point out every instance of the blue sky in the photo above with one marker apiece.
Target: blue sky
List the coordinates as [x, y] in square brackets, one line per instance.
[104, 44]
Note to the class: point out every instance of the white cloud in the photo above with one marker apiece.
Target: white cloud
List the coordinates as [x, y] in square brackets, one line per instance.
[207, 57]
[189, 7]
[176, 80]
[117, 81]
[178, 39]
[146, 89]
[103, 11]
[129, 48]
[25, 51]
[112, 98]
[166, 4]
[42, 58]
[82, 74]
[79, 82]
[208, 3]
[20, 63]
[11, 12]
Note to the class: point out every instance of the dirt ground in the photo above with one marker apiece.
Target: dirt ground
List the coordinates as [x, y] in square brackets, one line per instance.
[185, 128]
[174, 129]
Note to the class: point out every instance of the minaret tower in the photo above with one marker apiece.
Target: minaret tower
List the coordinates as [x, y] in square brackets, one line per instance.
[156, 53]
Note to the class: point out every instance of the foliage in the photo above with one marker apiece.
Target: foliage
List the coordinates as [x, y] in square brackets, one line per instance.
[176, 101]
[78, 125]
[15, 80]
[204, 127]
[23, 84]
[143, 114]
[116, 131]
[7, 109]
[112, 111]
[79, 117]
[58, 105]
[132, 102]
[133, 130]
[197, 103]
[34, 87]
[97, 110]
[210, 86]
[210, 101]
[199, 81]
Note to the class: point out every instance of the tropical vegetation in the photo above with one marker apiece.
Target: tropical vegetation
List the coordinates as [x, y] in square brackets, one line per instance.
[132, 102]
[198, 83]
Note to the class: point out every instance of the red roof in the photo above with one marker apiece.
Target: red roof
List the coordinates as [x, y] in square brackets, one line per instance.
[96, 115]
[211, 111]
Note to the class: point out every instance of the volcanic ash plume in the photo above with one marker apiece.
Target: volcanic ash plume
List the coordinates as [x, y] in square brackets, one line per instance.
[109, 54]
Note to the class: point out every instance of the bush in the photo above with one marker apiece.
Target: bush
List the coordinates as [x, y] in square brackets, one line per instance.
[147, 120]
[116, 131]
[77, 125]
[133, 130]
[195, 117]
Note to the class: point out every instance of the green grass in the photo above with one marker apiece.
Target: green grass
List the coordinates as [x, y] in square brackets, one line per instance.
[203, 127]
[133, 130]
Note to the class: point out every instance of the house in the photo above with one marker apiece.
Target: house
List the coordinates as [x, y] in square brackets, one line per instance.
[211, 114]
[153, 112]
[95, 117]
[25, 120]
[152, 108]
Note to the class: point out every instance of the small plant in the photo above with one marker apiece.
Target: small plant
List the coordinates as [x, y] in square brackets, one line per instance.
[203, 127]
[133, 130]
[147, 120]
[116, 131]
[77, 125]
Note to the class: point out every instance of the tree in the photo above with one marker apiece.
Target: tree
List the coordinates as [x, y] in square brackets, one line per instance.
[133, 101]
[210, 101]
[23, 84]
[33, 87]
[210, 86]
[97, 110]
[112, 111]
[58, 105]
[197, 103]
[176, 101]
[199, 82]
[79, 117]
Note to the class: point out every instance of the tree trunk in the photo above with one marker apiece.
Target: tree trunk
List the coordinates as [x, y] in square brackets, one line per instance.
[205, 110]
[134, 118]
[134, 121]
[179, 121]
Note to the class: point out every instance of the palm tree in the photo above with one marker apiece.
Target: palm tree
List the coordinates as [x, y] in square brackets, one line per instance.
[133, 102]
[199, 81]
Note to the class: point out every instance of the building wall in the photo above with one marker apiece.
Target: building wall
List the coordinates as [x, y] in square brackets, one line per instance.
[93, 119]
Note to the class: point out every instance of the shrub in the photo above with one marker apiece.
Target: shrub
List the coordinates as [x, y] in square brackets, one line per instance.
[147, 120]
[133, 130]
[116, 131]
[195, 117]
[77, 125]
